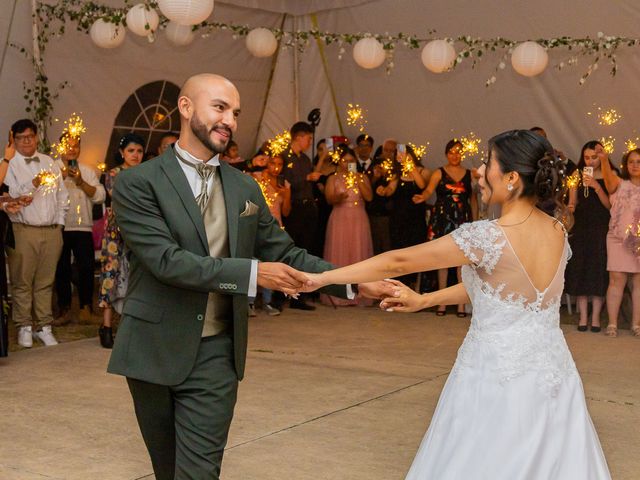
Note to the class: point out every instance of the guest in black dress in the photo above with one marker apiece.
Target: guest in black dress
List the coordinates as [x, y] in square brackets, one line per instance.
[455, 204]
[323, 164]
[408, 223]
[586, 276]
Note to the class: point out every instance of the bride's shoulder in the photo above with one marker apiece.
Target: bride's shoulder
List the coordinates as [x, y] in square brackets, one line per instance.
[481, 242]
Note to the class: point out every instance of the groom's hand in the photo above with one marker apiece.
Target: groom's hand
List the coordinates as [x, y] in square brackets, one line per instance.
[377, 290]
[278, 276]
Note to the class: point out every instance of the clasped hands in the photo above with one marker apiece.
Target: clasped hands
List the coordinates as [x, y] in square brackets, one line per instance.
[394, 295]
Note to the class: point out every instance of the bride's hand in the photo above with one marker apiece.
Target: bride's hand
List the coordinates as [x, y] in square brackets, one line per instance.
[403, 300]
[314, 282]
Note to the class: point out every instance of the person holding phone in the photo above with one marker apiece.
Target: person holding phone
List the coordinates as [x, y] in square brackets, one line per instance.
[586, 275]
[348, 238]
[85, 190]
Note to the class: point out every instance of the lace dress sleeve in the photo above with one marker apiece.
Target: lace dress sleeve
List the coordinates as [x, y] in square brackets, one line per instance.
[481, 242]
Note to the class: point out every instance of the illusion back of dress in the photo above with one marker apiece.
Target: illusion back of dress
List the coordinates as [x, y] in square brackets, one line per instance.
[517, 325]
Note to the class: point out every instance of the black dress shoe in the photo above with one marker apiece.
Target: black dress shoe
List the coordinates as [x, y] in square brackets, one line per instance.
[299, 305]
[582, 328]
[106, 337]
[596, 329]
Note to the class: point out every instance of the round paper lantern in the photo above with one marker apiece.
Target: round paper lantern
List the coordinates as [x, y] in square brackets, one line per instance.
[179, 35]
[139, 18]
[261, 42]
[438, 56]
[106, 34]
[529, 59]
[186, 12]
[369, 53]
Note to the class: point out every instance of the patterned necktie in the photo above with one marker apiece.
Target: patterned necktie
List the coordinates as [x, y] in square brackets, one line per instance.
[206, 172]
[28, 160]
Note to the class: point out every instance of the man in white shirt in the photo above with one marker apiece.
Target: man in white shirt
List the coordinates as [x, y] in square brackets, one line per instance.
[38, 233]
[85, 191]
[364, 148]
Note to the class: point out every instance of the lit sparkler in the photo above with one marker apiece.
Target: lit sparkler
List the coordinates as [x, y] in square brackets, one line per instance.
[419, 150]
[279, 144]
[608, 144]
[631, 144]
[470, 145]
[102, 167]
[606, 117]
[356, 116]
[573, 180]
[74, 126]
[351, 181]
[48, 181]
[387, 168]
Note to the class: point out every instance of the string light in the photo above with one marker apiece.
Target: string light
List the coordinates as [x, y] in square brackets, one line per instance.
[279, 144]
[356, 116]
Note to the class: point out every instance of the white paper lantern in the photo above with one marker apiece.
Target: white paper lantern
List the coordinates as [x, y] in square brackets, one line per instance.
[106, 34]
[261, 42]
[438, 56]
[179, 35]
[369, 53]
[186, 12]
[529, 59]
[138, 18]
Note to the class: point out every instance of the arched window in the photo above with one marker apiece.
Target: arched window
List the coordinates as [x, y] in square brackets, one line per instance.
[151, 111]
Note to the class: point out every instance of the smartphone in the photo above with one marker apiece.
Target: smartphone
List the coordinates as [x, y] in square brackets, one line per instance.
[588, 171]
[329, 144]
[73, 163]
[402, 148]
[352, 167]
[280, 180]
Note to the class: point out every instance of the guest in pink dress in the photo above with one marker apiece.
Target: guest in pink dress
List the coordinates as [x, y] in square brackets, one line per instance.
[348, 238]
[623, 239]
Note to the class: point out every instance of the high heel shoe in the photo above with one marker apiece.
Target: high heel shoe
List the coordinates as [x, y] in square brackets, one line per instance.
[596, 329]
[582, 328]
[106, 337]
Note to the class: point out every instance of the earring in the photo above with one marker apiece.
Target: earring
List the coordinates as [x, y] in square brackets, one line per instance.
[510, 187]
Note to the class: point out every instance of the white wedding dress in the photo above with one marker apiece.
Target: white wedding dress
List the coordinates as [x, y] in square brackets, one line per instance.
[513, 407]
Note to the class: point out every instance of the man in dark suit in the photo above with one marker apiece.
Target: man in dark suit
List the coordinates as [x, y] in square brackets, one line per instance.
[193, 227]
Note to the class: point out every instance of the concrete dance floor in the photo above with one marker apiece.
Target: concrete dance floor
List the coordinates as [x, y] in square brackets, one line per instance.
[333, 394]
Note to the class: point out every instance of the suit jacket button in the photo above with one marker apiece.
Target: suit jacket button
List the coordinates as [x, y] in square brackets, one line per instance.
[200, 317]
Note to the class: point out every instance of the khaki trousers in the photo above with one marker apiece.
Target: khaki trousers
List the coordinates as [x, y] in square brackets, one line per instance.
[32, 269]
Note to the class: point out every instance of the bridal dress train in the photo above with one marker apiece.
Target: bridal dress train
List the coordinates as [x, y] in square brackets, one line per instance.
[513, 407]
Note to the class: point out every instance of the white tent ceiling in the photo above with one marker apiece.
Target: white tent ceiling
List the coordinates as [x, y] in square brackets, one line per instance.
[410, 104]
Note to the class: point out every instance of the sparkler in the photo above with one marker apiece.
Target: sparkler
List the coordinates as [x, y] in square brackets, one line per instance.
[48, 181]
[608, 144]
[102, 167]
[356, 116]
[74, 127]
[277, 145]
[419, 150]
[351, 181]
[387, 168]
[607, 117]
[470, 145]
[631, 144]
[573, 180]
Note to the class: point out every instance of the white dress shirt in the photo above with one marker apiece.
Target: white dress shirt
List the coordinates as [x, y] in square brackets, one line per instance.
[79, 216]
[50, 203]
[195, 181]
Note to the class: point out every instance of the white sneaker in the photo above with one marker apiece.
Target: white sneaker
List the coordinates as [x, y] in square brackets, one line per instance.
[271, 311]
[252, 310]
[25, 337]
[46, 337]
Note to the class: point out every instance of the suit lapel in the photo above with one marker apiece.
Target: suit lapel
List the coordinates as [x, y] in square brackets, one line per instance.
[172, 169]
[230, 188]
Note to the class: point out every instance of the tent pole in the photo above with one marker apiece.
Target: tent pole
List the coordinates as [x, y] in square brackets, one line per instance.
[5, 45]
[325, 68]
[274, 64]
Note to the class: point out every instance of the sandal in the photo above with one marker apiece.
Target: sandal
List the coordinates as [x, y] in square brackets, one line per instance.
[611, 331]
[635, 331]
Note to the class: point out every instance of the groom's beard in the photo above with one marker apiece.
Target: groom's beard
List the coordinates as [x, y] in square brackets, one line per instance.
[203, 134]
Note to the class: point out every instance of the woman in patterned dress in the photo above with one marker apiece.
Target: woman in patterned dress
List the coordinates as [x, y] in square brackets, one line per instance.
[115, 268]
[455, 205]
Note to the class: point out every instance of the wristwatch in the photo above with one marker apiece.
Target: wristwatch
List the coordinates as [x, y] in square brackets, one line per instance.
[6, 160]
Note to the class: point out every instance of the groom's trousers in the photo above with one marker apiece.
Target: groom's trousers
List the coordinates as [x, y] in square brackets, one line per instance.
[185, 426]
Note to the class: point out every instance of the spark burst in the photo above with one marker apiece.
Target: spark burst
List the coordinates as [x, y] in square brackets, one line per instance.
[608, 144]
[277, 145]
[419, 150]
[356, 116]
[606, 117]
[470, 145]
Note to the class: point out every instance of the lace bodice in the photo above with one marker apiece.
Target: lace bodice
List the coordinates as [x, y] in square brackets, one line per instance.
[514, 327]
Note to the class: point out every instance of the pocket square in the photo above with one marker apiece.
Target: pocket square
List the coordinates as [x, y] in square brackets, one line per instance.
[250, 208]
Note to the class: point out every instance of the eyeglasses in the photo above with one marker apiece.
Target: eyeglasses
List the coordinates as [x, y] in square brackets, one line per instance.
[24, 138]
[363, 145]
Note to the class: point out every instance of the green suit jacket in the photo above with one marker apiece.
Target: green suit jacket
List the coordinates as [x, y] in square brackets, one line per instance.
[171, 271]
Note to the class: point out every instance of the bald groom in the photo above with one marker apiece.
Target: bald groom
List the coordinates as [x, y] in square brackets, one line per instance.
[200, 240]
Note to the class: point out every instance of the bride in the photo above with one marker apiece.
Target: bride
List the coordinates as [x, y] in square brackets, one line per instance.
[513, 406]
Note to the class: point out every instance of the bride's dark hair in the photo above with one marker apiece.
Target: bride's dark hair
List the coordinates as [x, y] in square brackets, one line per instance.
[531, 155]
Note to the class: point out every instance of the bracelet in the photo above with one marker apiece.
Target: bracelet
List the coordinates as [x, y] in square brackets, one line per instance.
[6, 160]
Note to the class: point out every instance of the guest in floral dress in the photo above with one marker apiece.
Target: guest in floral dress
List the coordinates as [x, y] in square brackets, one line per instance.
[115, 268]
[455, 204]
